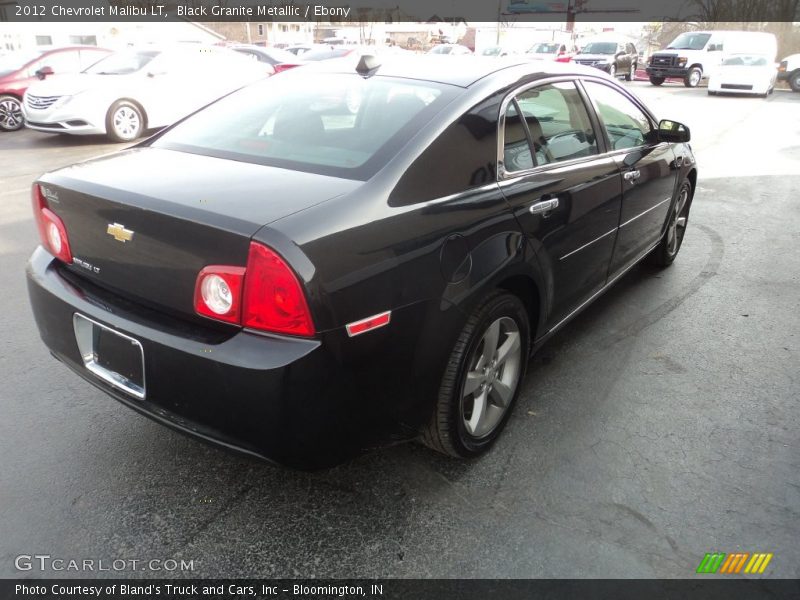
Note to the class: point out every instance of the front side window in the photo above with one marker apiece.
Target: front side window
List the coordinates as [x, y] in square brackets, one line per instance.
[626, 124]
[556, 122]
[341, 125]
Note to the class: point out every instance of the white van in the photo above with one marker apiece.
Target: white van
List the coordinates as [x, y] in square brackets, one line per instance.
[695, 55]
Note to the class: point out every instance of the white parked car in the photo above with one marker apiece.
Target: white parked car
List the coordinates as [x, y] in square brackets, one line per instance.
[131, 91]
[450, 49]
[789, 70]
[744, 74]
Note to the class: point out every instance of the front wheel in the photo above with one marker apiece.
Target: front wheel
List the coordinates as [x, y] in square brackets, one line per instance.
[693, 77]
[10, 113]
[124, 121]
[666, 251]
[656, 80]
[631, 73]
[482, 378]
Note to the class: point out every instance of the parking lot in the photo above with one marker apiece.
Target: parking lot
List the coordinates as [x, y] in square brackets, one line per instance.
[661, 424]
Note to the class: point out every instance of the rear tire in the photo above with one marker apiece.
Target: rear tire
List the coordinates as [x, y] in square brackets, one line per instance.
[484, 373]
[10, 113]
[124, 121]
[693, 77]
[794, 81]
[664, 254]
[656, 80]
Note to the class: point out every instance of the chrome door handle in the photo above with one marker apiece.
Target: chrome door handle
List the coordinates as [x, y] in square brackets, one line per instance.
[631, 176]
[544, 206]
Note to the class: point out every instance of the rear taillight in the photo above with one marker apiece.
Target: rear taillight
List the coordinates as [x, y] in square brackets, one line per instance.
[218, 293]
[273, 297]
[283, 67]
[265, 295]
[51, 228]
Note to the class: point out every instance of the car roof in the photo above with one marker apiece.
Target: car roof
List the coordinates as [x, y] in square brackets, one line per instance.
[462, 71]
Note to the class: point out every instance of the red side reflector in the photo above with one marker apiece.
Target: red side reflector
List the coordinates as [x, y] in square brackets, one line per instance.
[368, 324]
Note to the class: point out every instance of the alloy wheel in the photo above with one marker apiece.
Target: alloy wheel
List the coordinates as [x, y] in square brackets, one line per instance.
[694, 78]
[10, 114]
[677, 222]
[127, 122]
[492, 377]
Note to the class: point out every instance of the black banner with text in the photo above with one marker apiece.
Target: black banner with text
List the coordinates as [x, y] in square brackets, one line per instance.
[394, 11]
[396, 589]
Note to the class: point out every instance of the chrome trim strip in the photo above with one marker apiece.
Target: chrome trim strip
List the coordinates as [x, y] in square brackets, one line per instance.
[586, 245]
[591, 298]
[489, 187]
[645, 212]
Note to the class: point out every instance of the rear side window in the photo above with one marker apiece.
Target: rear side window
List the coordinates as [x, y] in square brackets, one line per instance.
[626, 124]
[556, 122]
[334, 124]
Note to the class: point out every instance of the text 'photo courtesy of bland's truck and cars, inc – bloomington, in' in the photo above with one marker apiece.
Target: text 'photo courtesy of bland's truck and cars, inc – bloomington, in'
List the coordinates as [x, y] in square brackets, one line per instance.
[442, 298]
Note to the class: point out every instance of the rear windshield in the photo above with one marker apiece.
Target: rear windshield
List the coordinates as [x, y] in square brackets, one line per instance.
[333, 124]
[543, 49]
[599, 48]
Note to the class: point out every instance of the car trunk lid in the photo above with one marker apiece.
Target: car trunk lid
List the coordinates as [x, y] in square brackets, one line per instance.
[144, 222]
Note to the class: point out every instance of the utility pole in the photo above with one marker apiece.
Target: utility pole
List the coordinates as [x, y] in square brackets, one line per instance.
[499, 13]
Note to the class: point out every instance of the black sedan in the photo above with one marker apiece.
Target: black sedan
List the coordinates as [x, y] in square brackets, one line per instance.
[299, 282]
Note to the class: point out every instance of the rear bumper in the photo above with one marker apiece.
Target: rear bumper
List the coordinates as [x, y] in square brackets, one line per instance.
[288, 400]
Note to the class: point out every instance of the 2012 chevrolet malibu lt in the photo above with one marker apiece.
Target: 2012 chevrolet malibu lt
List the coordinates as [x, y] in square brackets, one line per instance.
[348, 254]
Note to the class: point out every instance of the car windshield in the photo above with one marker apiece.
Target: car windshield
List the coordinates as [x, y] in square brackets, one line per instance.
[122, 63]
[543, 49]
[332, 124]
[689, 41]
[492, 51]
[16, 60]
[599, 48]
[745, 60]
[440, 50]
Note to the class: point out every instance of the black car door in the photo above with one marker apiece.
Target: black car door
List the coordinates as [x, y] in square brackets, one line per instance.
[564, 192]
[648, 171]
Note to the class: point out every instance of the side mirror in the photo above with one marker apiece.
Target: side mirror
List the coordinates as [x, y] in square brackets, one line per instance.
[672, 131]
[44, 72]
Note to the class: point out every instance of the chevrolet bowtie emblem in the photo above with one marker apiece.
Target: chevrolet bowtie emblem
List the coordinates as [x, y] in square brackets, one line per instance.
[119, 233]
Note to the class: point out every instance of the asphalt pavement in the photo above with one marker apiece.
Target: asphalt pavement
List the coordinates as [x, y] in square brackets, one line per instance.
[661, 424]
